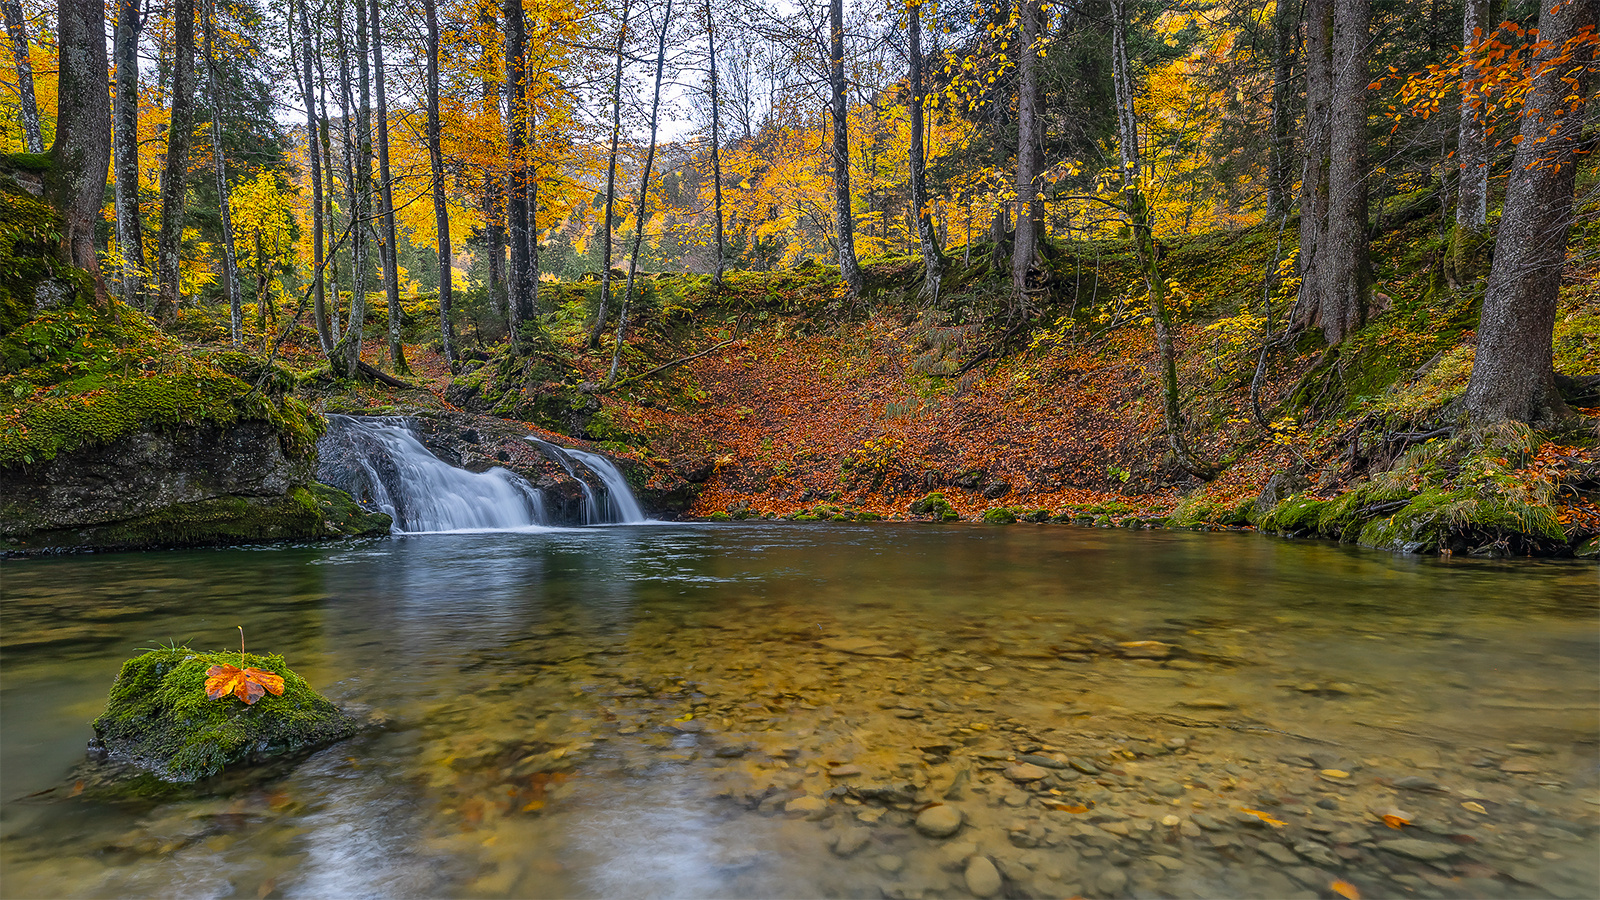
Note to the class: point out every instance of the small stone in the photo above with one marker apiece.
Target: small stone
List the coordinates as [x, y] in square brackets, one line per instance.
[1120, 829]
[1520, 765]
[1427, 851]
[870, 815]
[1337, 774]
[1169, 863]
[1170, 821]
[1025, 772]
[1084, 766]
[983, 879]
[1206, 703]
[1417, 783]
[954, 855]
[1111, 881]
[808, 806]
[1043, 761]
[1278, 853]
[850, 840]
[890, 863]
[844, 771]
[1144, 649]
[939, 821]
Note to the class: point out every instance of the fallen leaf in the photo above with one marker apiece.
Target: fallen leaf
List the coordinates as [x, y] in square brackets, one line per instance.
[1474, 807]
[1345, 889]
[249, 684]
[1069, 807]
[1275, 823]
[76, 789]
[1395, 822]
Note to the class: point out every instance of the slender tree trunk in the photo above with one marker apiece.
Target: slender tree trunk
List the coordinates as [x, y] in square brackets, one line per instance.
[81, 154]
[125, 148]
[319, 309]
[517, 292]
[17, 30]
[599, 323]
[175, 173]
[1315, 153]
[932, 255]
[219, 168]
[844, 221]
[359, 154]
[494, 202]
[641, 211]
[1472, 153]
[1512, 374]
[334, 241]
[441, 211]
[533, 234]
[1144, 242]
[390, 246]
[1026, 245]
[1280, 150]
[716, 151]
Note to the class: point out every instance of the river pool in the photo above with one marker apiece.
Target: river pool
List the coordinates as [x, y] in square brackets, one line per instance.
[767, 709]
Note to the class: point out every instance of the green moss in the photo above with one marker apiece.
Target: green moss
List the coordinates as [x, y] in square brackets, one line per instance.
[936, 506]
[999, 515]
[719, 517]
[1295, 515]
[159, 717]
[30, 261]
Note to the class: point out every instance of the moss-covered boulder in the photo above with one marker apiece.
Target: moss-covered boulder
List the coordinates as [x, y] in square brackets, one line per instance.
[160, 719]
[935, 505]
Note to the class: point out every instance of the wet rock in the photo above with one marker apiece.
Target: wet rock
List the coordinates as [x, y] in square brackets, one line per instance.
[808, 806]
[859, 646]
[954, 855]
[982, 878]
[844, 771]
[1206, 703]
[1042, 761]
[1144, 649]
[1417, 783]
[1023, 773]
[939, 821]
[850, 840]
[1278, 853]
[1520, 765]
[1415, 848]
[890, 863]
[1111, 881]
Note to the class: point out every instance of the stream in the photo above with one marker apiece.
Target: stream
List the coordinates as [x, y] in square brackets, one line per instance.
[782, 709]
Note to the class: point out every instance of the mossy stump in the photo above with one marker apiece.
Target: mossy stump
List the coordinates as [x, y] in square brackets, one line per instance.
[159, 717]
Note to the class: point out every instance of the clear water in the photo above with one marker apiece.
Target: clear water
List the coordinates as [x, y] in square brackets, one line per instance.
[631, 712]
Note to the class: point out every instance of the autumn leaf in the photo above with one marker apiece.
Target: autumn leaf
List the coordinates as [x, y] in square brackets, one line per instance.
[1275, 823]
[1396, 822]
[248, 684]
[1345, 889]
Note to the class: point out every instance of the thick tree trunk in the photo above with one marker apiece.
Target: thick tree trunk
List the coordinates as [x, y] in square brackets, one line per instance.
[932, 254]
[1028, 209]
[1280, 150]
[390, 246]
[844, 221]
[518, 294]
[175, 173]
[716, 151]
[125, 148]
[17, 31]
[81, 154]
[219, 169]
[441, 212]
[1512, 375]
[319, 309]
[642, 211]
[1314, 152]
[599, 324]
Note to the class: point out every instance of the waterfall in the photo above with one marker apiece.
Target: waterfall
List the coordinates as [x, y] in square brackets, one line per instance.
[620, 505]
[380, 462]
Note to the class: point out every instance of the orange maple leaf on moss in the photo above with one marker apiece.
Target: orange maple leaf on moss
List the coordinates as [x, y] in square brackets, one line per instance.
[249, 684]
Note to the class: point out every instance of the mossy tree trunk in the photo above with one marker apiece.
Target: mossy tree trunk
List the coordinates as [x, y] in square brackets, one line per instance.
[125, 147]
[389, 247]
[175, 172]
[17, 31]
[81, 154]
[441, 211]
[319, 308]
[518, 294]
[844, 219]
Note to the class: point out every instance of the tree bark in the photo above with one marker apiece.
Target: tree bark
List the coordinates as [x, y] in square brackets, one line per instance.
[81, 155]
[359, 154]
[599, 324]
[1026, 243]
[17, 31]
[716, 151]
[175, 173]
[518, 294]
[125, 148]
[642, 210]
[1280, 151]
[441, 212]
[319, 309]
[932, 254]
[844, 221]
[219, 168]
[390, 246]
[1472, 154]
[1512, 374]
[493, 206]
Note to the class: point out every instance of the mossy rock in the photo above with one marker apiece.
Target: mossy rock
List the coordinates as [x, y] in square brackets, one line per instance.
[1000, 515]
[719, 516]
[934, 505]
[159, 717]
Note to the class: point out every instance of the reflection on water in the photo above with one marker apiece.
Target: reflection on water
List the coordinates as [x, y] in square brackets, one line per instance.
[763, 710]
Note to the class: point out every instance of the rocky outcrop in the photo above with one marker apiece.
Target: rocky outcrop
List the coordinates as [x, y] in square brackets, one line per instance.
[171, 487]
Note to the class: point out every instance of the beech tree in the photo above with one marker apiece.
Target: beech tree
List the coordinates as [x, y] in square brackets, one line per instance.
[175, 172]
[844, 219]
[81, 154]
[219, 168]
[17, 31]
[441, 209]
[932, 255]
[390, 246]
[125, 147]
[1030, 214]
[518, 290]
[598, 325]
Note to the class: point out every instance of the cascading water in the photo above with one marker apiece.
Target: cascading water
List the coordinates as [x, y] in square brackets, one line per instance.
[619, 505]
[380, 462]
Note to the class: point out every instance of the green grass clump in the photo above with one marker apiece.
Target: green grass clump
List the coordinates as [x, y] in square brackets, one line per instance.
[159, 717]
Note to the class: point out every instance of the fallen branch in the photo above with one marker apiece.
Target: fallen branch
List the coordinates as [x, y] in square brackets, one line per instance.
[665, 366]
[375, 374]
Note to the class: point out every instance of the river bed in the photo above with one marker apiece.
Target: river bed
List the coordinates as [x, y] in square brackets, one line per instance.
[896, 711]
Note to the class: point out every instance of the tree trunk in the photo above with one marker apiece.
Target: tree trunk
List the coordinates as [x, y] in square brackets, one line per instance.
[81, 154]
[325, 142]
[1144, 242]
[1314, 151]
[932, 255]
[716, 151]
[493, 207]
[319, 308]
[849, 267]
[441, 212]
[640, 213]
[518, 296]
[1280, 151]
[1472, 154]
[1028, 209]
[533, 237]
[125, 148]
[175, 173]
[390, 246]
[1512, 375]
[359, 154]
[17, 30]
[219, 168]
[599, 323]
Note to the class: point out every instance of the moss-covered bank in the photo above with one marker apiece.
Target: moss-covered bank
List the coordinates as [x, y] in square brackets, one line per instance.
[160, 719]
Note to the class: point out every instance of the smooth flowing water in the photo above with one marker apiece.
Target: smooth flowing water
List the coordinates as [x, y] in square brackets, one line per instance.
[766, 710]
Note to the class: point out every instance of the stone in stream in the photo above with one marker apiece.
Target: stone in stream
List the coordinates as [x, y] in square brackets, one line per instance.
[850, 840]
[1426, 851]
[1025, 772]
[939, 821]
[808, 806]
[1417, 783]
[982, 878]
[859, 646]
[1111, 881]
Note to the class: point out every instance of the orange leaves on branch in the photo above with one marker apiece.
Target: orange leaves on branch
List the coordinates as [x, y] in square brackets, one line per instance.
[248, 684]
